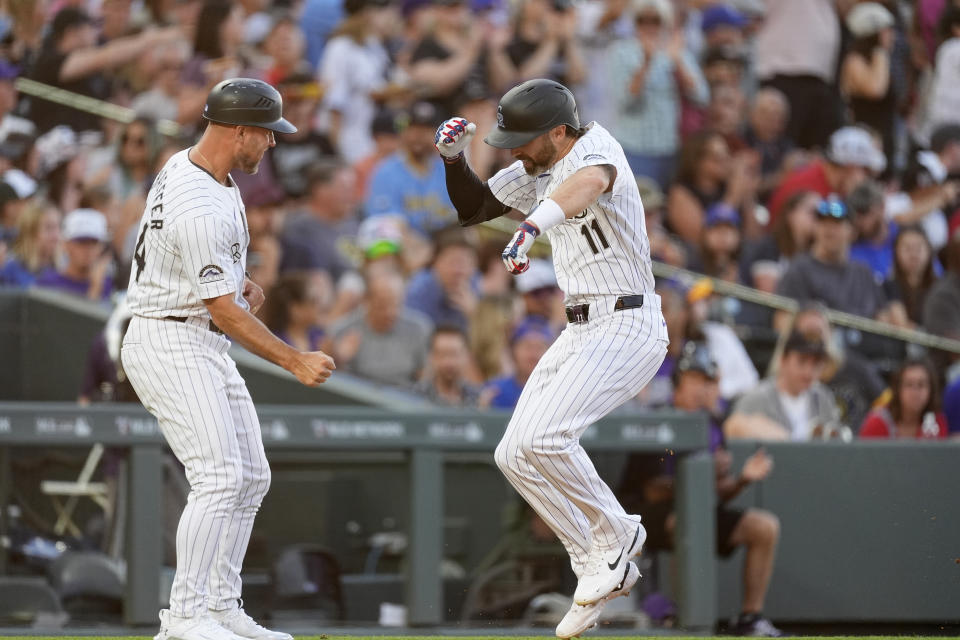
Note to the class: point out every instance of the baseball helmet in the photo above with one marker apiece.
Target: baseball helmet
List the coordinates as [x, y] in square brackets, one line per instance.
[531, 109]
[247, 102]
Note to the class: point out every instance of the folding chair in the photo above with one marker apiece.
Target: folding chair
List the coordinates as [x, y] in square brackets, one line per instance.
[73, 491]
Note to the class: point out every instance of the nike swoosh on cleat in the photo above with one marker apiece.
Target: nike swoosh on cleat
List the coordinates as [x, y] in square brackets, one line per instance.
[613, 565]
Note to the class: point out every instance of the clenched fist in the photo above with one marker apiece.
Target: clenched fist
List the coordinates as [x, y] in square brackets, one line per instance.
[253, 294]
[312, 368]
[453, 136]
[514, 255]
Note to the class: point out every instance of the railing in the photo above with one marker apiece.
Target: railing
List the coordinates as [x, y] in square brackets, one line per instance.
[790, 305]
[87, 104]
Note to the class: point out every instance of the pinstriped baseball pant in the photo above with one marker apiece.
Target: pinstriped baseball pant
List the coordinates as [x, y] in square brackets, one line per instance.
[591, 369]
[185, 378]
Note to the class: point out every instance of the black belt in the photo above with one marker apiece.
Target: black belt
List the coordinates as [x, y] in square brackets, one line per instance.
[580, 313]
[211, 326]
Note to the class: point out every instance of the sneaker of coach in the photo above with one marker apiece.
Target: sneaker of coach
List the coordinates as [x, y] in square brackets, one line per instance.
[200, 627]
[581, 618]
[756, 626]
[237, 621]
[604, 569]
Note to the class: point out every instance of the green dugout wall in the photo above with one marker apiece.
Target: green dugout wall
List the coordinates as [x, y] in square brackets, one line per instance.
[45, 337]
[870, 531]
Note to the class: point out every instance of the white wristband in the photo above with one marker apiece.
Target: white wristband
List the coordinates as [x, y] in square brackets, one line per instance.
[547, 215]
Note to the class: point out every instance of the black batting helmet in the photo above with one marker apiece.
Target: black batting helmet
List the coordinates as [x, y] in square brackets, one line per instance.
[531, 109]
[247, 102]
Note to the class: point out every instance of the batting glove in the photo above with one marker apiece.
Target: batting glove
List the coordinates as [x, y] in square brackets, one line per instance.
[453, 136]
[515, 255]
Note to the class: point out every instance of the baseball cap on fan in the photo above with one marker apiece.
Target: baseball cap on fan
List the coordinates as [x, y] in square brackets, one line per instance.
[85, 224]
[68, 18]
[532, 327]
[300, 85]
[540, 275]
[868, 18]
[722, 213]
[421, 114]
[721, 15]
[384, 123]
[22, 183]
[352, 7]
[854, 147]
[799, 343]
[696, 357]
[381, 235]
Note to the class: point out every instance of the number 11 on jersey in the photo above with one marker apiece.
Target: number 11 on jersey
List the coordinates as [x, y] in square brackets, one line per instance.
[585, 230]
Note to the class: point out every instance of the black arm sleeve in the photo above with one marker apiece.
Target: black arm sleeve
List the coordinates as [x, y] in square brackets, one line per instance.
[473, 199]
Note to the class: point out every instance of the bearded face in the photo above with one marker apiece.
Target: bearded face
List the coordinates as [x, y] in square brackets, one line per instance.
[538, 155]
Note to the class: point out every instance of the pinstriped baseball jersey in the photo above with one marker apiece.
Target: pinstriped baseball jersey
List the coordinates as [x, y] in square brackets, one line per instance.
[594, 366]
[191, 245]
[604, 250]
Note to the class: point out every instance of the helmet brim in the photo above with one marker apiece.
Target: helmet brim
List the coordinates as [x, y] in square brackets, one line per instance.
[503, 139]
[280, 126]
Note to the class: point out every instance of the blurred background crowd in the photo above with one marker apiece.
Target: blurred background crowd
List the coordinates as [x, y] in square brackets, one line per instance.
[809, 148]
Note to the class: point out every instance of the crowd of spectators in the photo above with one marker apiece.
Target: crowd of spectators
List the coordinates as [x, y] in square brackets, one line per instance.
[807, 148]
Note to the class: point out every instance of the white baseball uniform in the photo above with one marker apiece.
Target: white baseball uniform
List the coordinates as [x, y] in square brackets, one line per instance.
[593, 367]
[192, 246]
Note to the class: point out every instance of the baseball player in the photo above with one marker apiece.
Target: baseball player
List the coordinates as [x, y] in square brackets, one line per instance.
[573, 183]
[188, 291]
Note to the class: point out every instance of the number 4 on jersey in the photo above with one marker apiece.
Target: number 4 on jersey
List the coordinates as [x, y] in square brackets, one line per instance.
[585, 230]
[140, 252]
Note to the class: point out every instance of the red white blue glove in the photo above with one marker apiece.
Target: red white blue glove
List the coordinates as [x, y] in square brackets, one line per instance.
[452, 138]
[515, 254]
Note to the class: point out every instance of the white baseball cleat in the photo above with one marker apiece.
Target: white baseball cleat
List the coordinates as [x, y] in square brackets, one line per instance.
[237, 621]
[201, 627]
[581, 618]
[605, 569]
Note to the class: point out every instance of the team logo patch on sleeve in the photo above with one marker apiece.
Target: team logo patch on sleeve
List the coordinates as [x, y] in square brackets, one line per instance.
[210, 273]
[594, 156]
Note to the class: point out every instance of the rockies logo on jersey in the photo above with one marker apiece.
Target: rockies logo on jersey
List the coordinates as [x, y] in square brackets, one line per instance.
[210, 273]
